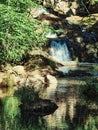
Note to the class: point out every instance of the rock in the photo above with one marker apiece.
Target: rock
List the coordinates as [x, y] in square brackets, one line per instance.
[74, 19]
[79, 39]
[47, 70]
[49, 3]
[19, 70]
[51, 86]
[17, 77]
[2, 76]
[37, 12]
[52, 80]
[72, 7]
[62, 7]
[36, 76]
[2, 94]
[51, 36]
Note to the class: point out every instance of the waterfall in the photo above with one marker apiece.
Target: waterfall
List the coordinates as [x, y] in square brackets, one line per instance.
[59, 50]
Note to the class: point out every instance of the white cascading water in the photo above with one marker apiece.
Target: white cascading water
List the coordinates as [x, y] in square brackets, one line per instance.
[59, 51]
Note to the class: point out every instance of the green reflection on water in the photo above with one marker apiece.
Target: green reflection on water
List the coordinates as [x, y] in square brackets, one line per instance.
[11, 118]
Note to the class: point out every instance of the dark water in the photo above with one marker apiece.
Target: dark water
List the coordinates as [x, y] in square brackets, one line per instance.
[73, 113]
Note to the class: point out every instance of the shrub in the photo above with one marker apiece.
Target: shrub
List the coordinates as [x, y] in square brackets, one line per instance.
[19, 5]
[19, 34]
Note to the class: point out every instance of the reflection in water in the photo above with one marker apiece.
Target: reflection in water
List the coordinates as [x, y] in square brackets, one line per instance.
[57, 119]
[34, 123]
[73, 113]
[65, 97]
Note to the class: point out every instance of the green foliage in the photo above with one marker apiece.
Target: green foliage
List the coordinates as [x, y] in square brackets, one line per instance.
[91, 123]
[95, 68]
[11, 107]
[18, 33]
[14, 35]
[11, 117]
[93, 1]
[19, 5]
[27, 95]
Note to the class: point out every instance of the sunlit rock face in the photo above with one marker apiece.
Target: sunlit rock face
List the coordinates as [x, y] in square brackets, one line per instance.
[36, 12]
[48, 3]
[72, 7]
[52, 80]
[62, 7]
[66, 8]
[20, 70]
